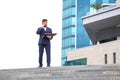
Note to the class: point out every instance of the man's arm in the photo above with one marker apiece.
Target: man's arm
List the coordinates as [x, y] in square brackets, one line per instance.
[39, 30]
[50, 30]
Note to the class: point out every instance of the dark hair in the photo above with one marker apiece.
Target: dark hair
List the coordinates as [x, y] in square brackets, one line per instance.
[44, 20]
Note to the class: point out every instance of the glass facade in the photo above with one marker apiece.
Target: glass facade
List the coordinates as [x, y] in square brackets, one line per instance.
[74, 34]
[68, 27]
[102, 1]
[82, 39]
[108, 1]
[82, 61]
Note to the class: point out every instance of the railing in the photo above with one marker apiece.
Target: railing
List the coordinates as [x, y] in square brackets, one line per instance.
[103, 9]
[106, 8]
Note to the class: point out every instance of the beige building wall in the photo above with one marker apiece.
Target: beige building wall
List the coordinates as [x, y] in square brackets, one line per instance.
[118, 1]
[96, 54]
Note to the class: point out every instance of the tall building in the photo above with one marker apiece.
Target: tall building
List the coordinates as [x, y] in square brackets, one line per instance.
[73, 33]
[103, 28]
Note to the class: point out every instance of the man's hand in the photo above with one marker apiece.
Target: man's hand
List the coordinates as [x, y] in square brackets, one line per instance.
[49, 36]
[42, 27]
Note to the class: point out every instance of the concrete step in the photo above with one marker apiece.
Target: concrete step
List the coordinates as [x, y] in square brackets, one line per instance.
[101, 72]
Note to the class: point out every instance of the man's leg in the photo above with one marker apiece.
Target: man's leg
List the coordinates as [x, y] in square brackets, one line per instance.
[41, 50]
[47, 48]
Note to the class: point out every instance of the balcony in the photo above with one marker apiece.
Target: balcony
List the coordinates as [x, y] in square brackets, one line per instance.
[103, 24]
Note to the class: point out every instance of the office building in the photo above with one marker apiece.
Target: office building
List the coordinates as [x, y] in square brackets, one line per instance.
[74, 34]
[103, 28]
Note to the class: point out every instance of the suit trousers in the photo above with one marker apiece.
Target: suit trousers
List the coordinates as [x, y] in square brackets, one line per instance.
[41, 51]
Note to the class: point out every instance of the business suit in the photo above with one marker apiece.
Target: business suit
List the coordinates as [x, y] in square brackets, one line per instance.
[44, 42]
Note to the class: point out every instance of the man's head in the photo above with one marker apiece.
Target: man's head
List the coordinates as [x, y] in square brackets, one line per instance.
[44, 22]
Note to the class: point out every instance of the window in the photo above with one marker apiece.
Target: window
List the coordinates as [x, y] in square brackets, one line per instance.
[80, 62]
[106, 59]
[114, 58]
[68, 12]
[72, 2]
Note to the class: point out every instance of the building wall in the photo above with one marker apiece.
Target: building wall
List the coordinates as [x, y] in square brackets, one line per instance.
[96, 54]
[118, 1]
[73, 33]
[68, 27]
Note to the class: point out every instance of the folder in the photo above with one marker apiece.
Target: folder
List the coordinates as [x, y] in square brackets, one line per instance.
[50, 34]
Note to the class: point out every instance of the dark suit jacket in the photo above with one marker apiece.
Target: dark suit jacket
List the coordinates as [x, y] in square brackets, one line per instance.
[41, 32]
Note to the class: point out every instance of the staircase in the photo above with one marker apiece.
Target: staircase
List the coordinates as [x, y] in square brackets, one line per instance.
[102, 72]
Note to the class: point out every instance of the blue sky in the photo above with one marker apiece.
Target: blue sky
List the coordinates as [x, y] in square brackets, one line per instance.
[19, 20]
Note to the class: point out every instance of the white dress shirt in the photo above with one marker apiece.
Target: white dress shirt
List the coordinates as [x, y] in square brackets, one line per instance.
[45, 28]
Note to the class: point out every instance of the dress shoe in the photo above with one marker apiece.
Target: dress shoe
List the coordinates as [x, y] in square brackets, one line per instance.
[39, 66]
[48, 65]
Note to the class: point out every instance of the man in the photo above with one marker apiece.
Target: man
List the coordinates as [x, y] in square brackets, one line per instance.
[44, 42]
